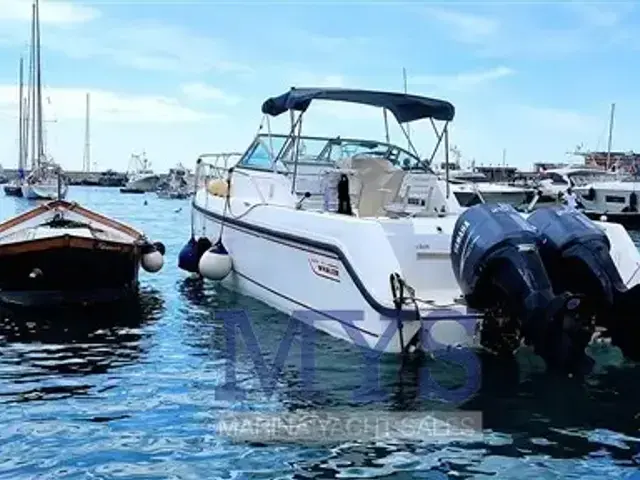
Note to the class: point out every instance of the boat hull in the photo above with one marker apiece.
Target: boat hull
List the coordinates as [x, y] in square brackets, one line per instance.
[326, 292]
[146, 184]
[173, 195]
[43, 191]
[13, 190]
[131, 190]
[67, 271]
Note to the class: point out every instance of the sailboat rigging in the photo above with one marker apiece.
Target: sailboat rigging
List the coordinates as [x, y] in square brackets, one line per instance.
[42, 181]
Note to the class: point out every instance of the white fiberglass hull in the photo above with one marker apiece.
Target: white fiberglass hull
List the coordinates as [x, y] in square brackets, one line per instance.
[43, 191]
[145, 184]
[339, 292]
[610, 197]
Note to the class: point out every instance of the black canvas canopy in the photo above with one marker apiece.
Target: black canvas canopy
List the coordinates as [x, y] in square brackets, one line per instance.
[405, 107]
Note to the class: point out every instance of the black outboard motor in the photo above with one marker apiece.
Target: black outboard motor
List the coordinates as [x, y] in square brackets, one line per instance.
[576, 255]
[494, 254]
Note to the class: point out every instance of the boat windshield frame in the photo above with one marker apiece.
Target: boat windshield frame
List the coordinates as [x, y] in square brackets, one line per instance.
[405, 109]
[284, 158]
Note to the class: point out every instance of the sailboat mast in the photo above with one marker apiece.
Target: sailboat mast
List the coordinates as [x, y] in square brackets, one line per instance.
[87, 148]
[32, 83]
[39, 85]
[613, 110]
[404, 79]
[20, 115]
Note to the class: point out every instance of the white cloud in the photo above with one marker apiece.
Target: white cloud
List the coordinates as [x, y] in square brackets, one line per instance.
[147, 46]
[462, 81]
[599, 15]
[309, 79]
[69, 103]
[56, 12]
[465, 27]
[521, 29]
[142, 45]
[328, 43]
[558, 119]
[202, 91]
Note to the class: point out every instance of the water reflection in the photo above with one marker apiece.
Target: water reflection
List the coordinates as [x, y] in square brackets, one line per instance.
[38, 349]
[339, 373]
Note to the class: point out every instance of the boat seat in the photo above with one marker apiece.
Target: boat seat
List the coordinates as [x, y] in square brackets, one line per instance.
[380, 181]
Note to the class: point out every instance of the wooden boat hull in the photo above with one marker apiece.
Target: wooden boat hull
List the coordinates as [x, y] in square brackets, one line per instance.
[62, 254]
[67, 271]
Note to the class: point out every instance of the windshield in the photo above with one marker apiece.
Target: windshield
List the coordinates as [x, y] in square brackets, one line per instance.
[320, 150]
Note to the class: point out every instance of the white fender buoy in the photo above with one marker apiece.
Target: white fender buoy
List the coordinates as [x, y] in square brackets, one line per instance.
[603, 218]
[153, 261]
[215, 263]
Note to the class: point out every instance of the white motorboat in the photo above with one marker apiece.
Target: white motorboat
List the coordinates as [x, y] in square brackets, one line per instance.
[176, 185]
[477, 188]
[472, 187]
[599, 193]
[375, 250]
[554, 182]
[141, 177]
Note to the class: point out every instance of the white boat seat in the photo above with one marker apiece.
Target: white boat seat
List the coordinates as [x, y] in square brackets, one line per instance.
[380, 182]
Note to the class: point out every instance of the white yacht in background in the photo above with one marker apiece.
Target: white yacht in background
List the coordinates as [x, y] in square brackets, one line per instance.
[45, 182]
[388, 259]
[471, 187]
[176, 185]
[476, 187]
[141, 178]
[554, 182]
[616, 198]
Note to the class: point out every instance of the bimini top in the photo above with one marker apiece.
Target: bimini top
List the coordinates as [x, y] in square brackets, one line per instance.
[405, 107]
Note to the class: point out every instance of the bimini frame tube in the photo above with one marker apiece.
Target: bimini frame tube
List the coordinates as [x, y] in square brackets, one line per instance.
[446, 157]
[295, 149]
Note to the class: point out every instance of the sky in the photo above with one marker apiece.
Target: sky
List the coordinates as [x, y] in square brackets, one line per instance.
[175, 79]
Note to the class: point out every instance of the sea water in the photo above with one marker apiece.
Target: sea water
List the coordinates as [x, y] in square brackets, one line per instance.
[137, 394]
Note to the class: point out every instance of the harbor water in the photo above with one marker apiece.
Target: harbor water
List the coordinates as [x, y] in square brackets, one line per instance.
[137, 393]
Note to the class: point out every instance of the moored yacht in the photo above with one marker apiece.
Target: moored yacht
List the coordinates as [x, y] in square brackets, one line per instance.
[176, 184]
[366, 243]
[141, 177]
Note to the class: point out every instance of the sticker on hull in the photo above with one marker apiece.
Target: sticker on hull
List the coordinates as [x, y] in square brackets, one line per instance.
[322, 268]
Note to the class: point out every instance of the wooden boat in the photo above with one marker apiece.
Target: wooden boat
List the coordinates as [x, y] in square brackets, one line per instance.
[61, 253]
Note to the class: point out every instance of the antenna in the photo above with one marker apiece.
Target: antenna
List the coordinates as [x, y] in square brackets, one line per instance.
[86, 161]
[404, 78]
[613, 111]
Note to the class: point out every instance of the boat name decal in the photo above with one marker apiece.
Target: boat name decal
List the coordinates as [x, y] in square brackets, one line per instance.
[325, 269]
[106, 246]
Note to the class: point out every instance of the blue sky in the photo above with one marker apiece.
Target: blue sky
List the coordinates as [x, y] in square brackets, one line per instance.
[181, 78]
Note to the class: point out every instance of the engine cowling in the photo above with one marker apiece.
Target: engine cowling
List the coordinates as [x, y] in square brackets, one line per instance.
[576, 254]
[495, 258]
[493, 246]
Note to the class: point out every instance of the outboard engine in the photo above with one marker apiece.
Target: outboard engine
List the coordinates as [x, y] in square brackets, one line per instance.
[494, 254]
[576, 254]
